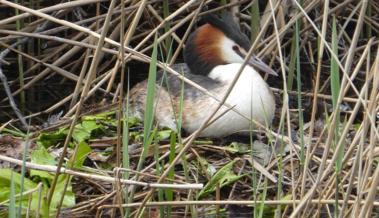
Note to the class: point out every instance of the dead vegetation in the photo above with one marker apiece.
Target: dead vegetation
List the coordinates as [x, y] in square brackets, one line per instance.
[65, 78]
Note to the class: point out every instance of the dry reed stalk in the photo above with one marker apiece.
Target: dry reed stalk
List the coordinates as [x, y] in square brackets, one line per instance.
[312, 186]
[54, 169]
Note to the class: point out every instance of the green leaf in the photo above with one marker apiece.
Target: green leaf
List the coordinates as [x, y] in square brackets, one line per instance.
[335, 89]
[223, 177]
[16, 132]
[81, 154]
[101, 116]
[163, 134]
[51, 138]
[83, 131]
[206, 167]
[125, 142]
[69, 197]
[133, 121]
[149, 105]
[105, 118]
[41, 156]
[6, 178]
[89, 126]
[169, 192]
[5, 182]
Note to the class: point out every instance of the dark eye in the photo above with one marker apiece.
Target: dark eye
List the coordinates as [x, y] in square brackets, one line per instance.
[235, 48]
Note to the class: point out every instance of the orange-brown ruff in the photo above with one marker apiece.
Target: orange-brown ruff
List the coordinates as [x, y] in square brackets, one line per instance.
[213, 56]
[207, 43]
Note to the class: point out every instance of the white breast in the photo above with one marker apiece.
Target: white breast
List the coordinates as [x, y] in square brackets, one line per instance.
[250, 96]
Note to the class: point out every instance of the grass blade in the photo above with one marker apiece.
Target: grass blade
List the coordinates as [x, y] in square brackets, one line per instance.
[12, 199]
[335, 89]
[149, 106]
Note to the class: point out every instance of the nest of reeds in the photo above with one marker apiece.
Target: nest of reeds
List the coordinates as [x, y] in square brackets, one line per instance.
[65, 79]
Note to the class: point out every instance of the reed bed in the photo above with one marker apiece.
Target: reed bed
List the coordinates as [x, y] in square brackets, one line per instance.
[69, 148]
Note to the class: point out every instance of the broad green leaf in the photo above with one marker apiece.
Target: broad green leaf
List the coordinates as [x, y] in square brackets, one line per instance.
[41, 156]
[81, 154]
[69, 198]
[5, 182]
[83, 131]
[51, 138]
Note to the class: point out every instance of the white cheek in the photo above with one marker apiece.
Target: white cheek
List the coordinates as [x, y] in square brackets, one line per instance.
[228, 54]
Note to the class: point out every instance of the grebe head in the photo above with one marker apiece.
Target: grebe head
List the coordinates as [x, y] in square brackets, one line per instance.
[219, 41]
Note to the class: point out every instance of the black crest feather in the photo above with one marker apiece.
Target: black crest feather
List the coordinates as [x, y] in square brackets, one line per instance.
[226, 23]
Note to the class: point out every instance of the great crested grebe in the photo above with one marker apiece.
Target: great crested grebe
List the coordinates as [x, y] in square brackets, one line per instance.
[213, 56]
